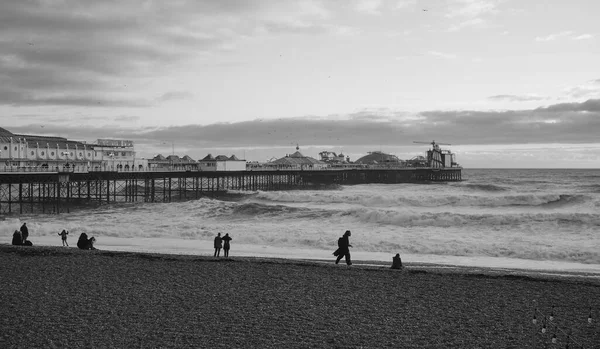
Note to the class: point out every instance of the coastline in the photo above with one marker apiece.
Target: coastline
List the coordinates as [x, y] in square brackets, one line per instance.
[66, 297]
[193, 247]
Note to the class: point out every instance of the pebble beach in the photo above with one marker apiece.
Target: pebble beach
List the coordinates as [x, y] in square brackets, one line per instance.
[55, 297]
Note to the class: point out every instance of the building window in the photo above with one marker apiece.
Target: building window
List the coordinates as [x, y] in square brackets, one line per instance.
[52, 154]
[123, 153]
[89, 155]
[80, 154]
[15, 148]
[32, 152]
[5, 148]
[42, 153]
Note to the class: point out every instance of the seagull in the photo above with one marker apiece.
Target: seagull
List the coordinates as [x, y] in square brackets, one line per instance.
[425, 10]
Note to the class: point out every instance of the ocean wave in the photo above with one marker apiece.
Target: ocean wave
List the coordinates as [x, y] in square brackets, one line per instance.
[454, 219]
[412, 199]
[484, 187]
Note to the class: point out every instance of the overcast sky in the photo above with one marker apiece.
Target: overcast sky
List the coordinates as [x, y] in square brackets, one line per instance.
[508, 83]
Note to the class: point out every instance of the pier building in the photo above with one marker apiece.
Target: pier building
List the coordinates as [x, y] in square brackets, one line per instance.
[221, 163]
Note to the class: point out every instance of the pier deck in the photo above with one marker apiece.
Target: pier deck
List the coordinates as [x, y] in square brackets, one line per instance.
[60, 192]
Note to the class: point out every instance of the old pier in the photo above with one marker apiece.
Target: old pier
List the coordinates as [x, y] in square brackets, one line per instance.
[61, 192]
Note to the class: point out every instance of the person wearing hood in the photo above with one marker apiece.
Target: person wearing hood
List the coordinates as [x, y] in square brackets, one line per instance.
[344, 248]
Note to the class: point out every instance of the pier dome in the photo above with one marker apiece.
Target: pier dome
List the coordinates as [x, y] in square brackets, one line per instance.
[377, 157]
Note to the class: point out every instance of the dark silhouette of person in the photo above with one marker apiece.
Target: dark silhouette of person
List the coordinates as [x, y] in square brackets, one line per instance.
[17, 238]
[396, 262]
[24, 232]
[84, 243]
[218, 244]
[344, 248]
[63, 234]
[226, 246]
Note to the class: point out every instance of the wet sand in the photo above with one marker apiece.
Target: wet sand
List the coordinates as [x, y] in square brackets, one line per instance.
[55, 297]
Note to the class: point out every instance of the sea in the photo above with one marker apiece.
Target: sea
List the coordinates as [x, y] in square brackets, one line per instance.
[533, 219]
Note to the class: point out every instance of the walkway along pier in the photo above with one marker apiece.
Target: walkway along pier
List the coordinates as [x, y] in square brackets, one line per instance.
[60, 192]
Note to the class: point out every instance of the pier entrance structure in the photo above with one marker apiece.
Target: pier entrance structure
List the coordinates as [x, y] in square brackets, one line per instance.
[61, 192]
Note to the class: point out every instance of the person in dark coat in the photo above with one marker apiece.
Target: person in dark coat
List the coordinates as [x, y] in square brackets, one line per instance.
[226, 246]
[63, 234]
[344, 248]
[218, 244]
[396, 262]
[17, 238]
[84, 243]
[24, 232]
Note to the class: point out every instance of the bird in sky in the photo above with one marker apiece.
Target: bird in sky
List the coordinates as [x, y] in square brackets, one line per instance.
[425, 10]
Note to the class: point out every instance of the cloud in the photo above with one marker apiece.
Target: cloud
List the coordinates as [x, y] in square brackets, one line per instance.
[564, 123]
[516, 98]
[175, 95]
[583, 37]
[591, 105]
[471, 8]
[473, 22]
[371, 7]
[554, 36]
[442, 55]
[59, 52]
[404, 4]
[591, 89]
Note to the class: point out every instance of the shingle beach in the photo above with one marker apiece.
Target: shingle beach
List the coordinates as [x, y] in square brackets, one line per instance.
[53, 297]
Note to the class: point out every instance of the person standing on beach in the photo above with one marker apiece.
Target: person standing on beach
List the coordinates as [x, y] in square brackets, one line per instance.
[226, 246]
[344, 248]
[24, 232]
[63, 234]
[218, 244]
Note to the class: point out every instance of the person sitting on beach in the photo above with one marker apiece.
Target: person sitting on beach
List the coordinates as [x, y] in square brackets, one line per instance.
[344, 248]
[63, 234]
[396, 262]
[226, 246]
[84, 243]
[17, 238]
[24, 232]
[218, 244]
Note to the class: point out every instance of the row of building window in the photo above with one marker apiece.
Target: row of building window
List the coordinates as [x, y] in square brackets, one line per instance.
[107, 153]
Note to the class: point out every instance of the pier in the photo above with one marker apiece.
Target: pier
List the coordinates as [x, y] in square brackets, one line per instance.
[61, 192]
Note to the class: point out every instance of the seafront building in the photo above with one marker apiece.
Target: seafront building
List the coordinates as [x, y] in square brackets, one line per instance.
[20, 152]
[32, 153]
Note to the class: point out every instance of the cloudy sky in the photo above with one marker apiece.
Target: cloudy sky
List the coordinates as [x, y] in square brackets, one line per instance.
[507, 83]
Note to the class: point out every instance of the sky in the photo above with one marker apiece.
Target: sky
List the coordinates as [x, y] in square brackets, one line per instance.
[506, 83]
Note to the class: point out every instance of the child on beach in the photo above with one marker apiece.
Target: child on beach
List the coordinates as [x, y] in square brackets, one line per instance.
[63, 234]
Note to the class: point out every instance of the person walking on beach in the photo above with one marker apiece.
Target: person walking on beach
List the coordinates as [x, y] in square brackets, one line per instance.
[218, 244]
[63, 234]
[226, 246]
[344, 248]
[24, 232]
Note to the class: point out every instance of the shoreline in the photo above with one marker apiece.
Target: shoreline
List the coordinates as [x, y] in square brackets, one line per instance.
[55, 297]
[204, 248]
[439, 268]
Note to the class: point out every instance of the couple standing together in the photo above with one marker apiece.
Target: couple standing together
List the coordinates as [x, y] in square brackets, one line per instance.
[222, 242]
